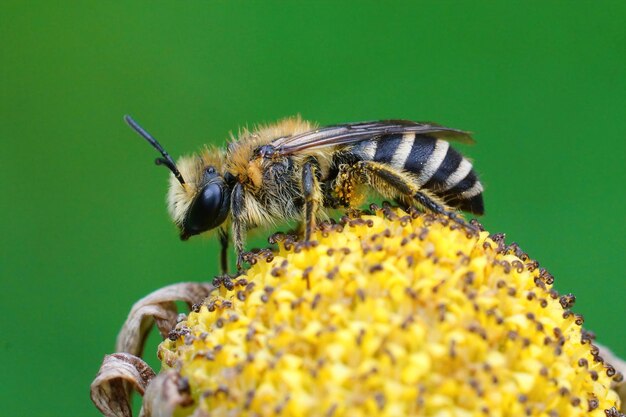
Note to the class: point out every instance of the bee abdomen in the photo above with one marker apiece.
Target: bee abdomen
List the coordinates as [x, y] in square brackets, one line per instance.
[438, 167]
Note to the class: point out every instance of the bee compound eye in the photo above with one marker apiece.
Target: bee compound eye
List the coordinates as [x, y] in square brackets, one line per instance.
[208, 210]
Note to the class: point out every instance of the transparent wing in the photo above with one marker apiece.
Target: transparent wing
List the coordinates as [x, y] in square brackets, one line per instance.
[356, 132]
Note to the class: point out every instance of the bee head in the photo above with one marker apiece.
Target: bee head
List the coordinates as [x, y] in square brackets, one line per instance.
[198, 199]
[202, 205]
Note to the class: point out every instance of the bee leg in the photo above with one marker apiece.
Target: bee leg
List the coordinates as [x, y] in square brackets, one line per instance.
[383, 177]
[223, 236]
[312, 196]
[238, 226]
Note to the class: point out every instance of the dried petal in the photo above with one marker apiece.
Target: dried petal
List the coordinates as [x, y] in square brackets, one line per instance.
[166, 392]
[111, 389]
[157, 307]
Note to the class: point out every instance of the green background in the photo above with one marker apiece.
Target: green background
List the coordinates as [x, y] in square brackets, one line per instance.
[84, 228]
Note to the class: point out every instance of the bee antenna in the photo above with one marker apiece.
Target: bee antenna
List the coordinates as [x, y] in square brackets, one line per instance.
[167, 159]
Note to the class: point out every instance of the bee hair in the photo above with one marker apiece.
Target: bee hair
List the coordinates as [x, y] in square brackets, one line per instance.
[167, 159]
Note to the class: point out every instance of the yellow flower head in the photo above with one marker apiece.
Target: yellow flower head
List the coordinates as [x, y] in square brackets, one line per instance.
[389, 314]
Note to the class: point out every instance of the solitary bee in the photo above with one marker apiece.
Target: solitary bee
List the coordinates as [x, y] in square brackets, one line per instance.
[292, 170]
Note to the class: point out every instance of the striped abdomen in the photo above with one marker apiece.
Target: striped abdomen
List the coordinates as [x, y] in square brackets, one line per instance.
[438, 167]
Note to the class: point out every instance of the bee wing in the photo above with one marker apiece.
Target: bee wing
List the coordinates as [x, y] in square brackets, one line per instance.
[356, 132]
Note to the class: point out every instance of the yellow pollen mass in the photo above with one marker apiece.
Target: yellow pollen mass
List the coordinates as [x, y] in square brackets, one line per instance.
[390, 314]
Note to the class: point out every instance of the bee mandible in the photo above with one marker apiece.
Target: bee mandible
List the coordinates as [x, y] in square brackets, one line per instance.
[294, 170]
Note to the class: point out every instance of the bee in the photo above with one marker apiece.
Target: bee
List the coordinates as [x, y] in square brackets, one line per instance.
[295, 170]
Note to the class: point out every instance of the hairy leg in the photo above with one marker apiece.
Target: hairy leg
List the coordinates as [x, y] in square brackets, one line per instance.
[238, 225]
[223, 236]
[312, 195]
[386, 180]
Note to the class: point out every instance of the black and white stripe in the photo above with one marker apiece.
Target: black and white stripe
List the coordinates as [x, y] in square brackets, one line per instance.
[466, 194]
[401, 154]
[387, 148]
[366, 149]
[437, 166]
[435, 160]
[459, 173]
